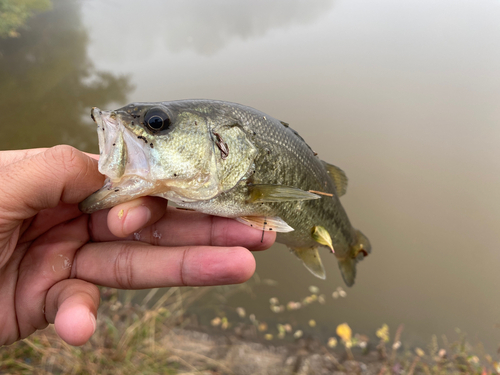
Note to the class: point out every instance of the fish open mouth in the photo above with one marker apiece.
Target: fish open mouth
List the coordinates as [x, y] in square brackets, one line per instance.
[124, 160]
[121, 152]
[112, 148]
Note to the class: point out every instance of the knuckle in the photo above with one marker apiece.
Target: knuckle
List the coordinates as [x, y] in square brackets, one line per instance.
[63, 156]
[94, 229]
[213, 231]
[219, 233]
[182, 269]
[123, 268]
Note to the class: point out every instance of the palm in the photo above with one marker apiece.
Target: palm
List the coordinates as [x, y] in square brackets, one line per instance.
[52, 258]
[41, 258]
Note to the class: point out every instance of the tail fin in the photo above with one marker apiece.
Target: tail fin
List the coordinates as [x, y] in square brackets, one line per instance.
[348, 270]
[359, 250]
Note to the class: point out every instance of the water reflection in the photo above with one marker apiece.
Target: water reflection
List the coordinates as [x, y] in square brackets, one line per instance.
[14, 15]
[204, 27]
[401, 95]
[48, 83]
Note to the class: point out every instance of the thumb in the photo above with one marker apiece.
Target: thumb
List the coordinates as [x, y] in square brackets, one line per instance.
[61, 173]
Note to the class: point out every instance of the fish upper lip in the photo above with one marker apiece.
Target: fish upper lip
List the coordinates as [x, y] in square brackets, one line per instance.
[109, 133]
[121, 153]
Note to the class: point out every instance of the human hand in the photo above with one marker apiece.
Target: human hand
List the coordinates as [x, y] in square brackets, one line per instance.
[52, 255]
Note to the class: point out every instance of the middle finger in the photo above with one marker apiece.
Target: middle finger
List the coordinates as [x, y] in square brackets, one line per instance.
[136, 265]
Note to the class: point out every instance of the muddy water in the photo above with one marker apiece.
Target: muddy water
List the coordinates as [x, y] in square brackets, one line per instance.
[401, 95]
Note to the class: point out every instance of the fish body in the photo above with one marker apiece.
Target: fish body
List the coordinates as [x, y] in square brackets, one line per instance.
[229, 160]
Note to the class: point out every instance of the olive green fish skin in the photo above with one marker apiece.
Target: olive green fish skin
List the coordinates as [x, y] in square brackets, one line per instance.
[283, 158]
[209, 156]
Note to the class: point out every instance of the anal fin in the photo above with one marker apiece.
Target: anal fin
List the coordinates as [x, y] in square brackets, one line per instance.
[269, 223]
[311, 260]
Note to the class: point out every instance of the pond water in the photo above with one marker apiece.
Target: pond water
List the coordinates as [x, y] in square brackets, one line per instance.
[403, 96]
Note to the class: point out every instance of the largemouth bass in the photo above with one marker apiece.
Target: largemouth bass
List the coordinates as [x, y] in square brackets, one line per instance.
[229, 160]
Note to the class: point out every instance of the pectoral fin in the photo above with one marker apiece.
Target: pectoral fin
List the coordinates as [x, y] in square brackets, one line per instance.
[277, 193]
[321, 235]
[339, 178]
[275, 224]
[310, 257]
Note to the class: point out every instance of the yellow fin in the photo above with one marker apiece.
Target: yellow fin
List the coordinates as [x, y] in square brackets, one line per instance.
[269, 223]
[321, 235]
[278, 193]
[338, 176]
[311, 260]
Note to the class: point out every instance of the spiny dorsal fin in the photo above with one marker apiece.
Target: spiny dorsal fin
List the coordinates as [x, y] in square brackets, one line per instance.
[274, 224]
[277, 193]
[285, 124]
[338, 176]
[311, 260]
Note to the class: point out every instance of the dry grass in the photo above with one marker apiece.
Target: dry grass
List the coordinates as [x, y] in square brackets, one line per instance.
[125, 341]
[132, 339]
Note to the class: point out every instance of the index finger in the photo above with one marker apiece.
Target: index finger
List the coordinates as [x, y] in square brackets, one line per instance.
[186, 228]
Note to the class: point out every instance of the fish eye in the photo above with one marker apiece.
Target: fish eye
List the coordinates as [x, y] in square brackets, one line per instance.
[156, 119]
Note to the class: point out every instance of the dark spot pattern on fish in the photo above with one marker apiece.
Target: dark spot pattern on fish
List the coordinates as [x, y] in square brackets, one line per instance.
[264, 150]
[224, 149]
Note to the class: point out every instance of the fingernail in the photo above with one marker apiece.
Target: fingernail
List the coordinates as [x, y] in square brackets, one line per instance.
[136, 218]
[93, 320]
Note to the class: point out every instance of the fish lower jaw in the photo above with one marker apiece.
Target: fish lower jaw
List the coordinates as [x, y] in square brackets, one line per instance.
[178, 197]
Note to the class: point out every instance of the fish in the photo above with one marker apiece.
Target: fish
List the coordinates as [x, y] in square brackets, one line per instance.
[230, 160]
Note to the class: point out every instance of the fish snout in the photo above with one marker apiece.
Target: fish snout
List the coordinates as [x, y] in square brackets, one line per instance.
[112, 148]
[95, 114]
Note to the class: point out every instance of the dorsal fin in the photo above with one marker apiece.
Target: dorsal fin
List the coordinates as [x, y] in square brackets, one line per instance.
[338, 177]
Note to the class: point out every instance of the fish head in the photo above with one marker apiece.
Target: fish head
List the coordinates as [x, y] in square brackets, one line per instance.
[168, 150]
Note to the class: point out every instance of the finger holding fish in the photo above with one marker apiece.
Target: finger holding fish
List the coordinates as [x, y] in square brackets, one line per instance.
[129, 217]
[179, 228]
[229, 160]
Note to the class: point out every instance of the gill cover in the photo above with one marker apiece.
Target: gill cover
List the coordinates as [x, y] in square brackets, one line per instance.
[174, 153]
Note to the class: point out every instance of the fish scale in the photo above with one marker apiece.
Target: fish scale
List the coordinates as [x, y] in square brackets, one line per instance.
[230, 160]
[290, 149]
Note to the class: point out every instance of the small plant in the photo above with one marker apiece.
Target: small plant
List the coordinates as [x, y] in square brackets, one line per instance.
[345, 333]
